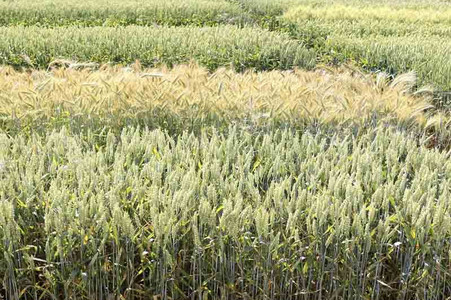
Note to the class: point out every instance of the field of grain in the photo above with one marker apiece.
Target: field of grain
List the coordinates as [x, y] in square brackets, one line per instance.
[393, 38]
[51, 13]
[225, 149]
[190, 92]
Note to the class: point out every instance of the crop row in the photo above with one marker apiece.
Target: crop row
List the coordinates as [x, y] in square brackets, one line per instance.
[389, 38]
[395, 38]
[188, 97]
[269, 216]
[54, 13]
[50, 13]
[211, 47]
[377, 12]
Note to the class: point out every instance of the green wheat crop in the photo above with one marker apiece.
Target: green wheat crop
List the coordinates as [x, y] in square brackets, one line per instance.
[281, 215]
[391, 37]
[113, 12]
[211, 46]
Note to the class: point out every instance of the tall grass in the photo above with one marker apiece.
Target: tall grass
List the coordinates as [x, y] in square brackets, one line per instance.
[282, 215]
[389, 13]
[393, 38]
[211, 46]
[113, 13]
[267, 8]
[124, 175]
[189, 97]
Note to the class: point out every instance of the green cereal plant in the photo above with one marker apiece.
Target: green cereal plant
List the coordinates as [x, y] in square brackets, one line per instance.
[278, 215]
[387, 13]
[428, 57]
[267, 8]
[395, 38]
[211, 46]
[51, 13]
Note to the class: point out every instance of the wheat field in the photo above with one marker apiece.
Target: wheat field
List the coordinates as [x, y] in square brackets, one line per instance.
[389, 37]
[225, 149]
[325, 95]
[230, 216]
